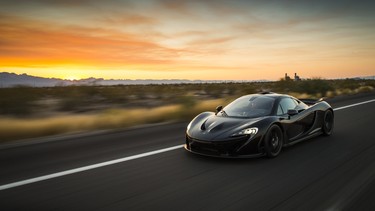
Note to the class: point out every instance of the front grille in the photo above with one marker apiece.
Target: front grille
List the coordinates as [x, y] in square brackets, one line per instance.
[227, 147]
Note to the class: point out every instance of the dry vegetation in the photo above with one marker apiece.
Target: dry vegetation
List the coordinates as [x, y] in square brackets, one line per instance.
[27, 112]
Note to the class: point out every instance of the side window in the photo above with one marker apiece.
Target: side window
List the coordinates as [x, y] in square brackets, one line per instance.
[300, 105]
[280, 111]
[286, 104]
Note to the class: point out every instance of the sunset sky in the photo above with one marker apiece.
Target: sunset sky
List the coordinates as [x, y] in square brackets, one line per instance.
[196, 39]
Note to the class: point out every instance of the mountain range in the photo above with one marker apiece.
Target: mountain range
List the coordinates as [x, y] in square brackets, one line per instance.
[13, 80]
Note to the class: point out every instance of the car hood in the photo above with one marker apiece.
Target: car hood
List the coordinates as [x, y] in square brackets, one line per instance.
[216, 128]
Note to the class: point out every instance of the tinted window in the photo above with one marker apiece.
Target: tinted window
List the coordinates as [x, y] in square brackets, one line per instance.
[250, 106]
[301, 105]
[279, 110]
[286, 104]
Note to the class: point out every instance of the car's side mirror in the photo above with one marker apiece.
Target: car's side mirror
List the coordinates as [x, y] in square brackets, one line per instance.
[219, 108]
[292, 112]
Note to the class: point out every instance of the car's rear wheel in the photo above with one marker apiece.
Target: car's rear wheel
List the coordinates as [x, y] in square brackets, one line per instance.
[328, 123]
[273, 141]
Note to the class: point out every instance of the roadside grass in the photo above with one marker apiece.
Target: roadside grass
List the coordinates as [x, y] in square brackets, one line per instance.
[18, 128]
[27, 112]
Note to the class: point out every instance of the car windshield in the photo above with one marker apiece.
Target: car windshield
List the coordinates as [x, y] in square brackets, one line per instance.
[250, 106]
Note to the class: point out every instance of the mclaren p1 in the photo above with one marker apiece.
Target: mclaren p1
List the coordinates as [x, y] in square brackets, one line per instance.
[258, 125]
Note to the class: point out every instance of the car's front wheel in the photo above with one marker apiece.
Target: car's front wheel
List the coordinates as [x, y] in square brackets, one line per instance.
[273, 141]
[328, 123]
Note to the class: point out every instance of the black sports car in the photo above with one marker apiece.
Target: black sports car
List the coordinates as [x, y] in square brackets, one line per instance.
[258, 124]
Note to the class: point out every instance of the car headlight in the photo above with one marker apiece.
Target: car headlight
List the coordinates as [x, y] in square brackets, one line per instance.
[247, 131]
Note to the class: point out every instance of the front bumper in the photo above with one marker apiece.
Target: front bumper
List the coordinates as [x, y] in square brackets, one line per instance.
[239, 147]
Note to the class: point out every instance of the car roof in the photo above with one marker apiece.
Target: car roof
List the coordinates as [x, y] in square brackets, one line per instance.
[271, 94]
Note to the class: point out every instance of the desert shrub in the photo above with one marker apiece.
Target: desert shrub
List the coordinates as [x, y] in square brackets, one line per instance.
[187, 102]
[284, 86]
[314, 86]
[18, 101]
[346, 84]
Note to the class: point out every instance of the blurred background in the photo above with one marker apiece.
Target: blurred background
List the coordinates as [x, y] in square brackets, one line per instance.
[27, 112]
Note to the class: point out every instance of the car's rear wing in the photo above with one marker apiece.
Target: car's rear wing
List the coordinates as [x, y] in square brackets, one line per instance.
[311, 101]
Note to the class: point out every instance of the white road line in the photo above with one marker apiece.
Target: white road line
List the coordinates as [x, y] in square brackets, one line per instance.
[355, 104]
[111, 162]
[86, 168]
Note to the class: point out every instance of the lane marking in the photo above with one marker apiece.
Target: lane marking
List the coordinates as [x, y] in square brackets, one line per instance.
[355, 104]
[111, 162]
[86, 168]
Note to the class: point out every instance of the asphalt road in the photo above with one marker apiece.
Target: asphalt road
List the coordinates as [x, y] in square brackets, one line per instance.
[324, 173]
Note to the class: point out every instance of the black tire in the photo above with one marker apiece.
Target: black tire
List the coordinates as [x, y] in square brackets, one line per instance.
[273, 141]
[328, 123]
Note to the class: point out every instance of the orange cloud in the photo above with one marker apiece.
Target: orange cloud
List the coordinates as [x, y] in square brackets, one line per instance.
[129, 19]
[30, 42]
[212, 41]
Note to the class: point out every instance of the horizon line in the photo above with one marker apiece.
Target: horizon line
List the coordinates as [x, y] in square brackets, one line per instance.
[176, 79]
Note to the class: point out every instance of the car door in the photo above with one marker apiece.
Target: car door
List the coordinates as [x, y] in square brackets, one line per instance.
[294, 126]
